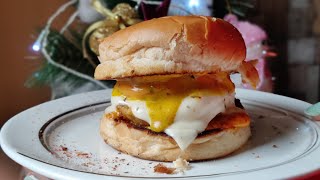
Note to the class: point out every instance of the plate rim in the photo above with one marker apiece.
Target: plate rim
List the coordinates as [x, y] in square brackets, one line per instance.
[21, 159]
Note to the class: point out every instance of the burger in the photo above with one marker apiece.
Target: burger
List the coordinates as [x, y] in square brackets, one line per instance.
[173, 97]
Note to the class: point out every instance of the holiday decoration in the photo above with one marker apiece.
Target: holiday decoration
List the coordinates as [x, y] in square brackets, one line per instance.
[257, 52]
[70, 54]
[120, 17]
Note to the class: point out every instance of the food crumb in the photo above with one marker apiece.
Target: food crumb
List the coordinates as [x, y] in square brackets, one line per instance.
[63, 148]
[88, 164]
[160, 168]
[114, 168]
[258, 157]
[181, 164]
[82, 154]
[274, 146]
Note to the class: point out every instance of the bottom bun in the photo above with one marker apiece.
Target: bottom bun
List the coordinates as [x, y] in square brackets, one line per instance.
[146, 144]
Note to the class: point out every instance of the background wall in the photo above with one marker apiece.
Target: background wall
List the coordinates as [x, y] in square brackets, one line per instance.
[272, 15]
[19, 20]
[304, 49]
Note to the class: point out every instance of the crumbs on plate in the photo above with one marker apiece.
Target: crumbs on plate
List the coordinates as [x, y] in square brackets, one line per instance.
[161, 168]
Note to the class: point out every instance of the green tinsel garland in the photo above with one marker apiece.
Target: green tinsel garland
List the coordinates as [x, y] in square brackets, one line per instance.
[64, 52]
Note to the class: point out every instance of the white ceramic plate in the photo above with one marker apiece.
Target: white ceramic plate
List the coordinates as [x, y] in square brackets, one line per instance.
[60, 139]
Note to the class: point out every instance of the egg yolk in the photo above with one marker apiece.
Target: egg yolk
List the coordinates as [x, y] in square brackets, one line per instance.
[164, 94]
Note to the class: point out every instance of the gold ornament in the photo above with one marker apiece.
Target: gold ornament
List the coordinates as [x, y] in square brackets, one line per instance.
[108, 28]
[125, 11]
[120, 17]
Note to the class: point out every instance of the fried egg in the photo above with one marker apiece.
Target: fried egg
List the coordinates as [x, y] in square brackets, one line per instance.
[180, 106]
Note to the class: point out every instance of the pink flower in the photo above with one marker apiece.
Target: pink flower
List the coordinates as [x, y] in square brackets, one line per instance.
[251, 33]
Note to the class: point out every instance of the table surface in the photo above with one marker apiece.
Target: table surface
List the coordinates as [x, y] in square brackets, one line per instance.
[9, 170]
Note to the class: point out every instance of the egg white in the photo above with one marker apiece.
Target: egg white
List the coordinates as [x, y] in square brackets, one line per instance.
[192, 116]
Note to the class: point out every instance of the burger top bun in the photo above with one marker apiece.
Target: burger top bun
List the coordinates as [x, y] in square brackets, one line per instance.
[171, 45]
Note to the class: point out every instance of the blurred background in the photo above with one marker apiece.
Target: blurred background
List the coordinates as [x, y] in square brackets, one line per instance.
[293, 29]
[20, 22]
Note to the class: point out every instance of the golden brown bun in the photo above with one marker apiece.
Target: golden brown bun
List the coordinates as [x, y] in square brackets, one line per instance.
[171, 45]
[146, 144]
